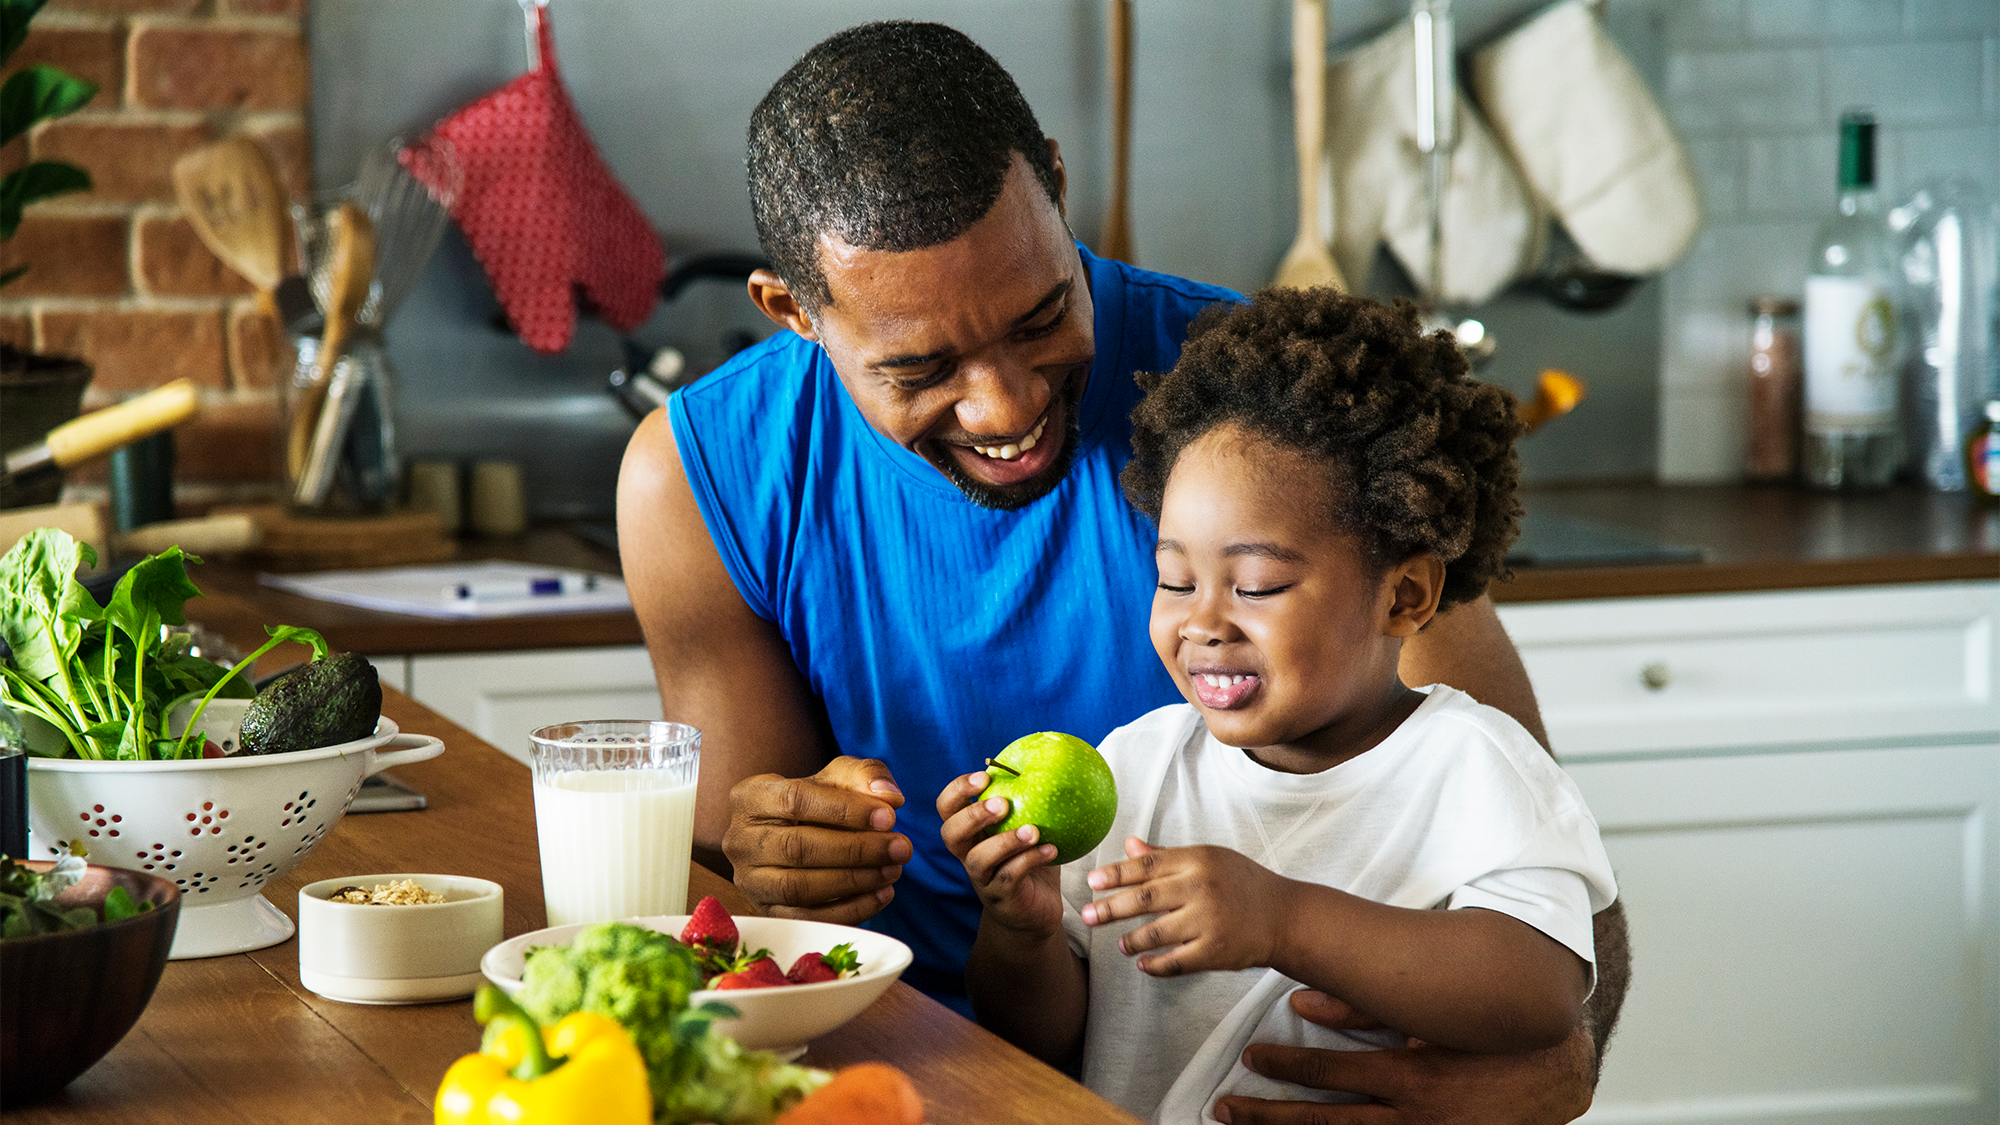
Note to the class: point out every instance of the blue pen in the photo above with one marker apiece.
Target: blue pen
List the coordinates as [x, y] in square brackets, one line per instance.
[537, 586]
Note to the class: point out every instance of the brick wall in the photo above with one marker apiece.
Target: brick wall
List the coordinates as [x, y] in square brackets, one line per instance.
[1756, 88]
[116, 274]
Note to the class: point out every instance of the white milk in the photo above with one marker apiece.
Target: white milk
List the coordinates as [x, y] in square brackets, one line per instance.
[615, 844]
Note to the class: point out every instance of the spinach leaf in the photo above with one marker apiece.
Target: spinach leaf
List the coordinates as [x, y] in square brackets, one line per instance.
[153, 593]
[102, 675]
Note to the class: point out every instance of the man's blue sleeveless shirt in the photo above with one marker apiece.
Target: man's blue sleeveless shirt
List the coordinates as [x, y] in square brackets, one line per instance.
[936, 631]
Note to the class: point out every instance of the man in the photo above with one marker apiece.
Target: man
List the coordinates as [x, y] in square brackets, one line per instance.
[874, 549]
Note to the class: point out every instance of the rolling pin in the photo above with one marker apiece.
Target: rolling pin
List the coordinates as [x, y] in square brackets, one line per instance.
[102, 431]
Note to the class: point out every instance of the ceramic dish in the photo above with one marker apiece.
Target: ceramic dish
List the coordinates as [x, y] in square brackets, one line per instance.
[412, 954]
[772, 1019]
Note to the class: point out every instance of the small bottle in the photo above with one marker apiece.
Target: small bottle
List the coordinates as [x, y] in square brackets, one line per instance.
[1772, 452]
[1982, 455]
[1853, 350]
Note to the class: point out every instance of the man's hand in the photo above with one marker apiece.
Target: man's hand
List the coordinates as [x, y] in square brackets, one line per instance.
[821, 847]
[1217, 909]
[1416, 1085]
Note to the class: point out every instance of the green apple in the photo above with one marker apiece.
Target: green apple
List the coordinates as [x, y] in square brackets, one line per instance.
[1060, 784]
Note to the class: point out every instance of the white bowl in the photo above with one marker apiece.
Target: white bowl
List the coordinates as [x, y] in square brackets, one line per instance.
[409, 954]
[770, 1019]
[219, 828]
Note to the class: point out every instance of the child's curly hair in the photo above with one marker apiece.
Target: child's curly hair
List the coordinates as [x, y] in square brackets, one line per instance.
[1419, 456]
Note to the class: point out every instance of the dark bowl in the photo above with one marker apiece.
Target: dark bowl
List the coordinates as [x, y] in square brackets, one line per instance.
[66, 999]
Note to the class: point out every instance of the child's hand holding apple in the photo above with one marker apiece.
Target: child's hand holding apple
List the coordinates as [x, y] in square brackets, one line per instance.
[1045, 800]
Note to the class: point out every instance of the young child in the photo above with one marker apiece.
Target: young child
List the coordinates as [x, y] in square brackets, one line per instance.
[1325, 479]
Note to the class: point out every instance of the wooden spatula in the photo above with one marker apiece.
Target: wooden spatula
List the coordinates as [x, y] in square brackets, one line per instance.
[233, 200]
[1117, 240]
[351, 271]
[1309, 262]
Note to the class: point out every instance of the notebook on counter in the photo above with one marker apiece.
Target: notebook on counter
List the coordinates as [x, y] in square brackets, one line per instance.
[486, 589]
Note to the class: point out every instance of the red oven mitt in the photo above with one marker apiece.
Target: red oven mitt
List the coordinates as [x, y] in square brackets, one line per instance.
[542, 211]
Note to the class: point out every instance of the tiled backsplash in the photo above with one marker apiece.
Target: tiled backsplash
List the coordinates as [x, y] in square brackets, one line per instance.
[117, 276]
[1757, 88]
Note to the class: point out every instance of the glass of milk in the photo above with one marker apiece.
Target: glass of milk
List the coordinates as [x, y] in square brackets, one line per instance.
[614, 808]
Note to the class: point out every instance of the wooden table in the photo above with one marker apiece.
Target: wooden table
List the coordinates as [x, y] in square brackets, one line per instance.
[239, 1039]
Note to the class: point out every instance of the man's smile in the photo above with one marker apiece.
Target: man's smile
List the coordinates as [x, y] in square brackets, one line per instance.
[1013, 460]
[1011, 450]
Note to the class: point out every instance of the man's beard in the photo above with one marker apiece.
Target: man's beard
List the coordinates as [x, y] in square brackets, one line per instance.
[1013, 497]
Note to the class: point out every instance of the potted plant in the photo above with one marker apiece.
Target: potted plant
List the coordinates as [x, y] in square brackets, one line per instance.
[39, 392]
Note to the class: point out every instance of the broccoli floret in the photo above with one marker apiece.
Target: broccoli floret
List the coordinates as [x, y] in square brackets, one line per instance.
[639, 977]
[643, 979]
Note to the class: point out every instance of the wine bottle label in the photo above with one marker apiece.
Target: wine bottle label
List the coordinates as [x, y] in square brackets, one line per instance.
[1850, 330]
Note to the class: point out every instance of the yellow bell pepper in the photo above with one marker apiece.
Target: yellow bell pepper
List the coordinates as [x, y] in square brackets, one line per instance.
[583, 1071]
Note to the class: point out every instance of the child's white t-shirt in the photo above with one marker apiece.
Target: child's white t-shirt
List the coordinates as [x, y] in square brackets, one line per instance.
[1458, 807]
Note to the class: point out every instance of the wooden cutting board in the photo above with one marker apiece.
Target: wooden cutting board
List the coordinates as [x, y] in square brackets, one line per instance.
[294, 542]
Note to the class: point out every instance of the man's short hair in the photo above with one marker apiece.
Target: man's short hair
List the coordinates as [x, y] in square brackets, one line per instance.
[890, 136]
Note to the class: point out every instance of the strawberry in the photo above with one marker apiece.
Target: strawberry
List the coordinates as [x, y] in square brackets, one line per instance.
[761, 973]
[711, 926]
[711, 933]
[811, 968]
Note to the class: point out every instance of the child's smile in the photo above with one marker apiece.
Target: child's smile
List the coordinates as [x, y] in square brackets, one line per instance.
[1270, 618]
[1221, 688]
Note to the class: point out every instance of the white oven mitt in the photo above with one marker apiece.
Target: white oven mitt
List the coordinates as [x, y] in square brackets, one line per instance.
[1491, 228]
[1590, 139]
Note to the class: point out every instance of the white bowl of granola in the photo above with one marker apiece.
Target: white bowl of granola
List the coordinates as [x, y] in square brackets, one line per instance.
[396, 939]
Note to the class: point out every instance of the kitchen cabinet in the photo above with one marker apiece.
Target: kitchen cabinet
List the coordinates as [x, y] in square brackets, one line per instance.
[1800, 793]
[501, 696]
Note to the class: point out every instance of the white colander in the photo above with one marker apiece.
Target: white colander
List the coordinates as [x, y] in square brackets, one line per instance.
[220, 828]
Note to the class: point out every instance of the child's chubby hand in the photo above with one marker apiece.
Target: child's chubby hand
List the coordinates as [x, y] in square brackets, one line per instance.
[1012, 872]
[1213, 908]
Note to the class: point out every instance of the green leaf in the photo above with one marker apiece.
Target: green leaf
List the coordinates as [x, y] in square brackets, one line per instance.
[39, 93]
[12, 276]
[178, 677]
[14, 17]
[154, 592]
[301, 635]
[40, 180]
[43, 608]
[119, 905]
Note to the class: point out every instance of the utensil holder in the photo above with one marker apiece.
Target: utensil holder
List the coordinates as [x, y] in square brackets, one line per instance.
[364, 470]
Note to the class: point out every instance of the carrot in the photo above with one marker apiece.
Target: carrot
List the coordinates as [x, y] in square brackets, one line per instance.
[863, 1094]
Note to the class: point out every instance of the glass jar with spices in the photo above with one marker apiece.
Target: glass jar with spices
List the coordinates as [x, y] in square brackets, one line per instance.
[1772, 452]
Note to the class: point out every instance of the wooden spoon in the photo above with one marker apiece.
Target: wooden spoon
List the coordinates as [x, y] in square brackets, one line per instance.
[233, 200]
[351, 271]
[1309, 262]
[1117, 240]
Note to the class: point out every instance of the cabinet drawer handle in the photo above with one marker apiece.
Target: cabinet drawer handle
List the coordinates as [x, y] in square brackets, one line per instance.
[1656, 676]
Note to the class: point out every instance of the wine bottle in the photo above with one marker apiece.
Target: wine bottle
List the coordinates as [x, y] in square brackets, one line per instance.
[1853, 350]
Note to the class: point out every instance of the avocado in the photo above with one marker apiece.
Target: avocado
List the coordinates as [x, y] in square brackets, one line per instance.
[324, 703]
